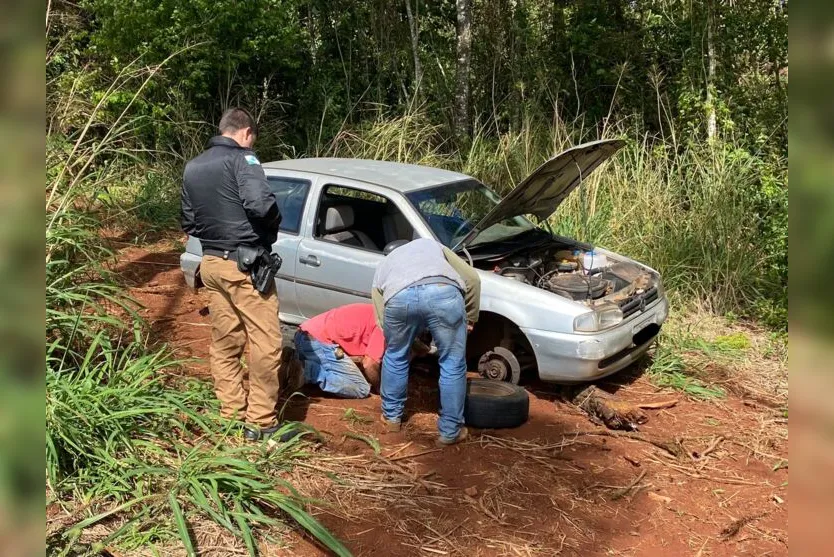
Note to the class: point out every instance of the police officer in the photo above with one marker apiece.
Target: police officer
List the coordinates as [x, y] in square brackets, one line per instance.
[227, 203]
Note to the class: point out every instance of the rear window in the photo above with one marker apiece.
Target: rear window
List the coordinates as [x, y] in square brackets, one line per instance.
[290, 195]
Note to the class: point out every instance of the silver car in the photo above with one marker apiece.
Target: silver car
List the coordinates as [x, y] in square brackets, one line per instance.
[569, 311]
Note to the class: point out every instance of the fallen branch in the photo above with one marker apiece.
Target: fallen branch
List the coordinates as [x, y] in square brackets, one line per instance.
[672, 447]
[609, 410]
[699, 476]
[445, 537]
[631, 461]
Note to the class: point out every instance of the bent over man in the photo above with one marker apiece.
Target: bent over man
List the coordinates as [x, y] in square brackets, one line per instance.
[424, 285]
[227, 204]
[333, 345]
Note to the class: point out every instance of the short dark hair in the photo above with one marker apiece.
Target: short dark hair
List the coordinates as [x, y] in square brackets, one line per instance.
[237, 118]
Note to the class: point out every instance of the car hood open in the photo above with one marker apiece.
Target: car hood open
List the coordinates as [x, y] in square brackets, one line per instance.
[545, 189]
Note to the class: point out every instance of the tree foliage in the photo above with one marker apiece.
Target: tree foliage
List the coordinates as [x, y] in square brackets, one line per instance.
[310, 64]
[312, 69]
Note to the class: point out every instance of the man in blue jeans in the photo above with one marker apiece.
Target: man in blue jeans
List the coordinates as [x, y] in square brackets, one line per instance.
[423, 285]
[341, 350]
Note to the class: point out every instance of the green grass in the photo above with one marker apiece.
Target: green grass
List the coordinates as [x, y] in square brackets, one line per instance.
[355, 417]
[372, 442]
[130, 448]
[678, 360]
[125, 440]
[669, 370]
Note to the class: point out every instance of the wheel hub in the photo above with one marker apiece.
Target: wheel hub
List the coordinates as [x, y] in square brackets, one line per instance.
[499, 364]
[495, 369]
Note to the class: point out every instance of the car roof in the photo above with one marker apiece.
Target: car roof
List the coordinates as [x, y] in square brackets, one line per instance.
[397, 176]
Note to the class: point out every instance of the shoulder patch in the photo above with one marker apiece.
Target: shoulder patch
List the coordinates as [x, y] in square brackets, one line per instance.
[252, 159]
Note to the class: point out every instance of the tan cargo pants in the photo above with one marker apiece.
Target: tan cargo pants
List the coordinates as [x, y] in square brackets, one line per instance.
[239, 312]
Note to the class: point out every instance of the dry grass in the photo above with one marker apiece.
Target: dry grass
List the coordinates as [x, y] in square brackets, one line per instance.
[739, 357]
[361, 485]
[395, 491]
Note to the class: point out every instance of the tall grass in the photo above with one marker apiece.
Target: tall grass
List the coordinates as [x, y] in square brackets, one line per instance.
[695, 211]
[129, 446]
[690, 213]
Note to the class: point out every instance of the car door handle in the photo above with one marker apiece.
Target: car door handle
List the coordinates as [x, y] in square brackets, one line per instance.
[310, 260]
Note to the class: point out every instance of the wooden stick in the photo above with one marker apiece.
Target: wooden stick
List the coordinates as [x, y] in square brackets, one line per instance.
[658, 405]
[401, 449]
[668, 446]
[415, 455]
[623, 491]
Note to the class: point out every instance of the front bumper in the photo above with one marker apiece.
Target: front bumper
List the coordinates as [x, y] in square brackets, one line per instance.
[581, 357]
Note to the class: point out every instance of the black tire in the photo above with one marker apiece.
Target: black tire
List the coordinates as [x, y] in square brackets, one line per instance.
[495, 404]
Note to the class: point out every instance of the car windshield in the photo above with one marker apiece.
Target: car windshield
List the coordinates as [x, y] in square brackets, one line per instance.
[452, 210]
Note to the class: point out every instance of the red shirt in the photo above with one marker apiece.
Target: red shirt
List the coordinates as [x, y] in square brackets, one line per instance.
[353, 327]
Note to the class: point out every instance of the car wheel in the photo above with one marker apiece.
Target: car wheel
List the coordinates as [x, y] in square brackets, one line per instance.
[493, 404]
[499, 364]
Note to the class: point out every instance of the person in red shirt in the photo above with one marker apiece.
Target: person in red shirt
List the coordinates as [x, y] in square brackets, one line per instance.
[341, 350]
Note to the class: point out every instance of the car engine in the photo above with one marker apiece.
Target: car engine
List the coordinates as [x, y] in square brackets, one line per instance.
[564, 272]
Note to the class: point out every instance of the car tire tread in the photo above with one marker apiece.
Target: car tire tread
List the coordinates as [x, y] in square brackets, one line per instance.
[495, 405]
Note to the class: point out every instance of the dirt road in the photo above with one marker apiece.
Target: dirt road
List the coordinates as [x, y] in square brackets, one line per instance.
[557, 485]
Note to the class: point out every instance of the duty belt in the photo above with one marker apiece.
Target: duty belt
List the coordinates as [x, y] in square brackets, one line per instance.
[229, 255]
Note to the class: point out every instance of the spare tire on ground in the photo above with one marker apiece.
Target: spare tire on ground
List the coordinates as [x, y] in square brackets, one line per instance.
[495, 404]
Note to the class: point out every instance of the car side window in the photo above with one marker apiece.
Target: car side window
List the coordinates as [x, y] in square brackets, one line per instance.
[359, 218]
[290, 196]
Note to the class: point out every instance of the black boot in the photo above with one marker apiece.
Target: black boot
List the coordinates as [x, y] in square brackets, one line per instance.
[264, 433]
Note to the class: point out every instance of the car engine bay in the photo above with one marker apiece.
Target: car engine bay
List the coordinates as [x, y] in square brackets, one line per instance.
[580, 275]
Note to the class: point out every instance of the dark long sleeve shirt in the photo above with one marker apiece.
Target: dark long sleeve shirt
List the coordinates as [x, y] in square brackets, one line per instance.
[226, 200]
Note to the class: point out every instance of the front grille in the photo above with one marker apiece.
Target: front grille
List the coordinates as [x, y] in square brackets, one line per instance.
[638, 302]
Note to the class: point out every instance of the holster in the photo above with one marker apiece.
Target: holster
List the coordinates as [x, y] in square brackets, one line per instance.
[264, 269]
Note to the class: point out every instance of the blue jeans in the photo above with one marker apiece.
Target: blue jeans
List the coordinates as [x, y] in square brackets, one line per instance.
[340, 377]
[440, 309]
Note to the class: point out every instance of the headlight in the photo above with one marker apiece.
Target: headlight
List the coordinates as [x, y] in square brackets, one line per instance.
[602, 317]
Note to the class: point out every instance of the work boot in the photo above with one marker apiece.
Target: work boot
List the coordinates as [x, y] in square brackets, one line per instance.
[463, 434]
[263, 433]
[390, 426]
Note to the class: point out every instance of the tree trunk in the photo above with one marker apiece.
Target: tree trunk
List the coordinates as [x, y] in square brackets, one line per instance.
[712, 125]
[464, 51]
[415, 46]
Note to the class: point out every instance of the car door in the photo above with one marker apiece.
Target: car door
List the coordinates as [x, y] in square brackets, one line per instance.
[291, 192]
[336, 267]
